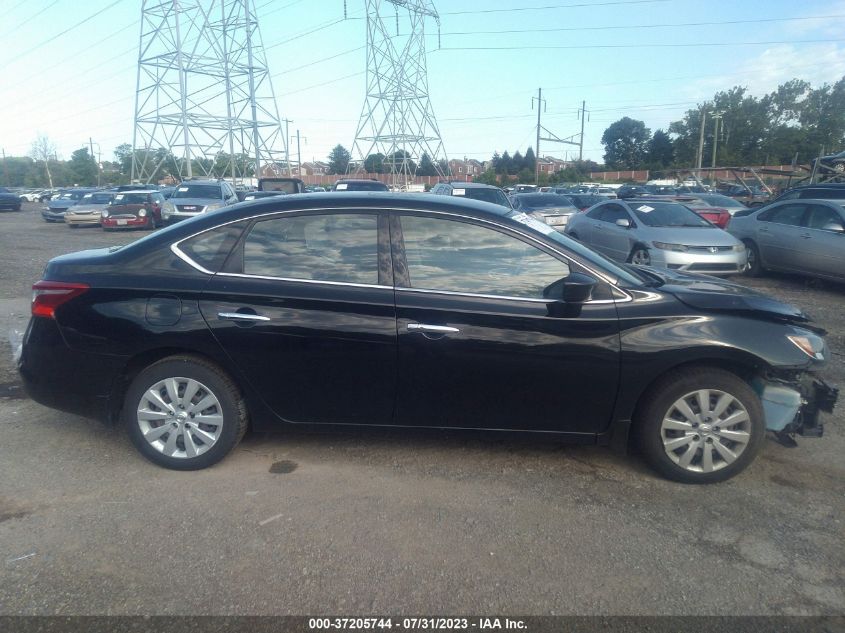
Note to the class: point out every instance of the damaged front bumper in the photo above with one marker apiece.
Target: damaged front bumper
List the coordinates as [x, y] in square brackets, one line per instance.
[792, 404]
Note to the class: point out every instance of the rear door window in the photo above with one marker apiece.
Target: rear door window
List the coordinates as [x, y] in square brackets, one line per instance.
[788, 214]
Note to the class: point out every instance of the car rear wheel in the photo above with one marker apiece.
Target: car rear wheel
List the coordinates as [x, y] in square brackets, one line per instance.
[640, 256]
[754, 268]
[701, 425]
[184, 413]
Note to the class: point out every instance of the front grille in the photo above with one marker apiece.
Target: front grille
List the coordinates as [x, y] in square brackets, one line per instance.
[189, 208]
[709, 249]
[714, 267]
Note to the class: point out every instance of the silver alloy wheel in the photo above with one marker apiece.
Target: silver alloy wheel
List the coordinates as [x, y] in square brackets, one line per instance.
[705, 430]
[180, 417]
[751, 260]
[641, 257]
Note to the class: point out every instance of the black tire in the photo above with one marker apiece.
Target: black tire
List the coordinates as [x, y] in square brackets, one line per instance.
[755, 266]
[658, 404]
[639, 248]
[232, 408]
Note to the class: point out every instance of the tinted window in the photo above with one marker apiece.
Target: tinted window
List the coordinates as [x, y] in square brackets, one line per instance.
[789, 214]
[461, 257]
[130, 198]
[361, 186]
[210, 249]
[667, 214]
[826, 194]
[496, 196]
[97, 198]
[613, 212]
[725, 202]
[197, 191]
[336, 247]
[818, 217]
[544, 201]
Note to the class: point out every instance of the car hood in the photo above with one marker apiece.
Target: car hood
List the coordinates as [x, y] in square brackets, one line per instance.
[88, 208]
[711, 293]
[554, 210]
[61, 205]
[704, 236]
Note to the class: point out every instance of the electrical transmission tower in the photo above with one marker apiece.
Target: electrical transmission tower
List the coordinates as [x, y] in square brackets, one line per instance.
[204, 99]
[397, 119]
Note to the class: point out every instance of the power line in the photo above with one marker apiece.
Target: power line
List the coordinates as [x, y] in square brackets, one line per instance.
[645, 45]
[29, 19]
[58, 35]
[628, 27]
[555, 6]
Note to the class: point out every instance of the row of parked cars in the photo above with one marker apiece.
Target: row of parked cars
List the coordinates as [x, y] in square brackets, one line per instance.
[802, 231]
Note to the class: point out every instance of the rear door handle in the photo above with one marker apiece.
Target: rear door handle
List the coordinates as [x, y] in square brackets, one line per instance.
[241, 316]
[435, 329]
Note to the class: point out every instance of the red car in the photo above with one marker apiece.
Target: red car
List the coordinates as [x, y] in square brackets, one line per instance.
[133, 209]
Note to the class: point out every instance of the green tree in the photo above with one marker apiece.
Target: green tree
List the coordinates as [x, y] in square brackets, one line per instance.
[374, 164]
[427, 167]
[625, 143]
[83, 167]
[516, 164]
[660, 151]
[503, 165]
[529, 161]
[339, 159]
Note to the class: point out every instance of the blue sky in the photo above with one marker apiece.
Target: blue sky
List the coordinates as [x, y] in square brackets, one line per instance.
[74, 82]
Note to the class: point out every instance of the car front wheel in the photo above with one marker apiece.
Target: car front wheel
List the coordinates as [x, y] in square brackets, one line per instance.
[640, 256]
[701, 425]
[754, 267]
[184, 413]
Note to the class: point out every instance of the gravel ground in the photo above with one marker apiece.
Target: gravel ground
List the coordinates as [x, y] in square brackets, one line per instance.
[394, 523]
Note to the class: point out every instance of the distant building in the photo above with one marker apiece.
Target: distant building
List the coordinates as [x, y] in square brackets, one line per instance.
[315, 168]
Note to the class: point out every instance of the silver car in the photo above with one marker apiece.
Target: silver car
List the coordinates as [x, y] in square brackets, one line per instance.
[193, 197]
[799, 236]
[660, 233]
[551, 208]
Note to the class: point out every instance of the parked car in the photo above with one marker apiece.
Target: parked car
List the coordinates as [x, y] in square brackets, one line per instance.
[193, 197]
[9, 200]
[525, 188]
[136, 209]
[716, 201]
[551, 208]
[87, 211]
[473, 191]
[584, 201]
[659, 233]
[358, 184]
[824, 191]
[833, 162]
[257, 195]
[605, 192]
[427, 311]
[29, 195]
[751, 197]
[798, 236]
[631, 191]
[61, 202]
[285, 185]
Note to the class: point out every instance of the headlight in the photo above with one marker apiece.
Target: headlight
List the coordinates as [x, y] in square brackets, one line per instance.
[213, 207]
[739, 247]
[142, 213]
[809, 343]
[680, 248]
[105, 213]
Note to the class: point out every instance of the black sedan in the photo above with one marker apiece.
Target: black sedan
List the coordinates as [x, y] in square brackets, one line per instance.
[414, 310]
[8, 200]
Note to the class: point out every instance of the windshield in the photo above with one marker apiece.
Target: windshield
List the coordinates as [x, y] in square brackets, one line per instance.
[97, 198]
[624, 277]
[668, 214]
[129, 198]
[197, 191]
[496, 196]
[361, 186]
[545, 201]
[583, 201]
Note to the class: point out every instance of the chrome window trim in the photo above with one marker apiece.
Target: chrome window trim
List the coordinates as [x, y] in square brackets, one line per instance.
[174, 247]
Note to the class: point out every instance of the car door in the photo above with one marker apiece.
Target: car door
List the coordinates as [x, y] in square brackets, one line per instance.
[479, 346]
[304, 308]
[823, 251]
[613, 240]
[778, 233]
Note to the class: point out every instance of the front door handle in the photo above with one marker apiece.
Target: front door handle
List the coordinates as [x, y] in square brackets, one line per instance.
[435, 329]
[241, 316]
[805, 236]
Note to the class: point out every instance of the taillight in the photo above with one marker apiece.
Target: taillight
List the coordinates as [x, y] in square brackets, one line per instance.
[49, 295]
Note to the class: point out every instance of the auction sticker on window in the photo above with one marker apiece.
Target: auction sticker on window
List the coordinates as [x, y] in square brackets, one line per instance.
[183, 189]
[342, 186]
[459, 192]
[527, 220]
[645, 208]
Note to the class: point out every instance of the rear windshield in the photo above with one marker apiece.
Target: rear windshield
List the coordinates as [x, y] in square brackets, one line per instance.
[668, 214]
[586, 201]
[496, 196]
[545, 201]
[725, 202]
[824, 194]
[197, 191]
[286, 186]
[97, 198]
[360, 186]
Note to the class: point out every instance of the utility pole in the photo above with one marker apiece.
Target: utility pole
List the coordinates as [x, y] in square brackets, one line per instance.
[95, 158]
[701, 142]
[717, 117]
[298, 153]
[581, 145]
[541, 104]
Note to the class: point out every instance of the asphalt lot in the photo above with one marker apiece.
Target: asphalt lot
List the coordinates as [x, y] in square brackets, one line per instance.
[389, 524]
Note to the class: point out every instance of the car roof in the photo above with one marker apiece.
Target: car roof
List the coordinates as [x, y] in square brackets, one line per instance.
[144, 191]
[368, 180]
[199, 182]
[468, 185]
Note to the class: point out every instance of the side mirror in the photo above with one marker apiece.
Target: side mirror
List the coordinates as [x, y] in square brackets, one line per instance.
[575, 288]
[625, 223]
[834, 227]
